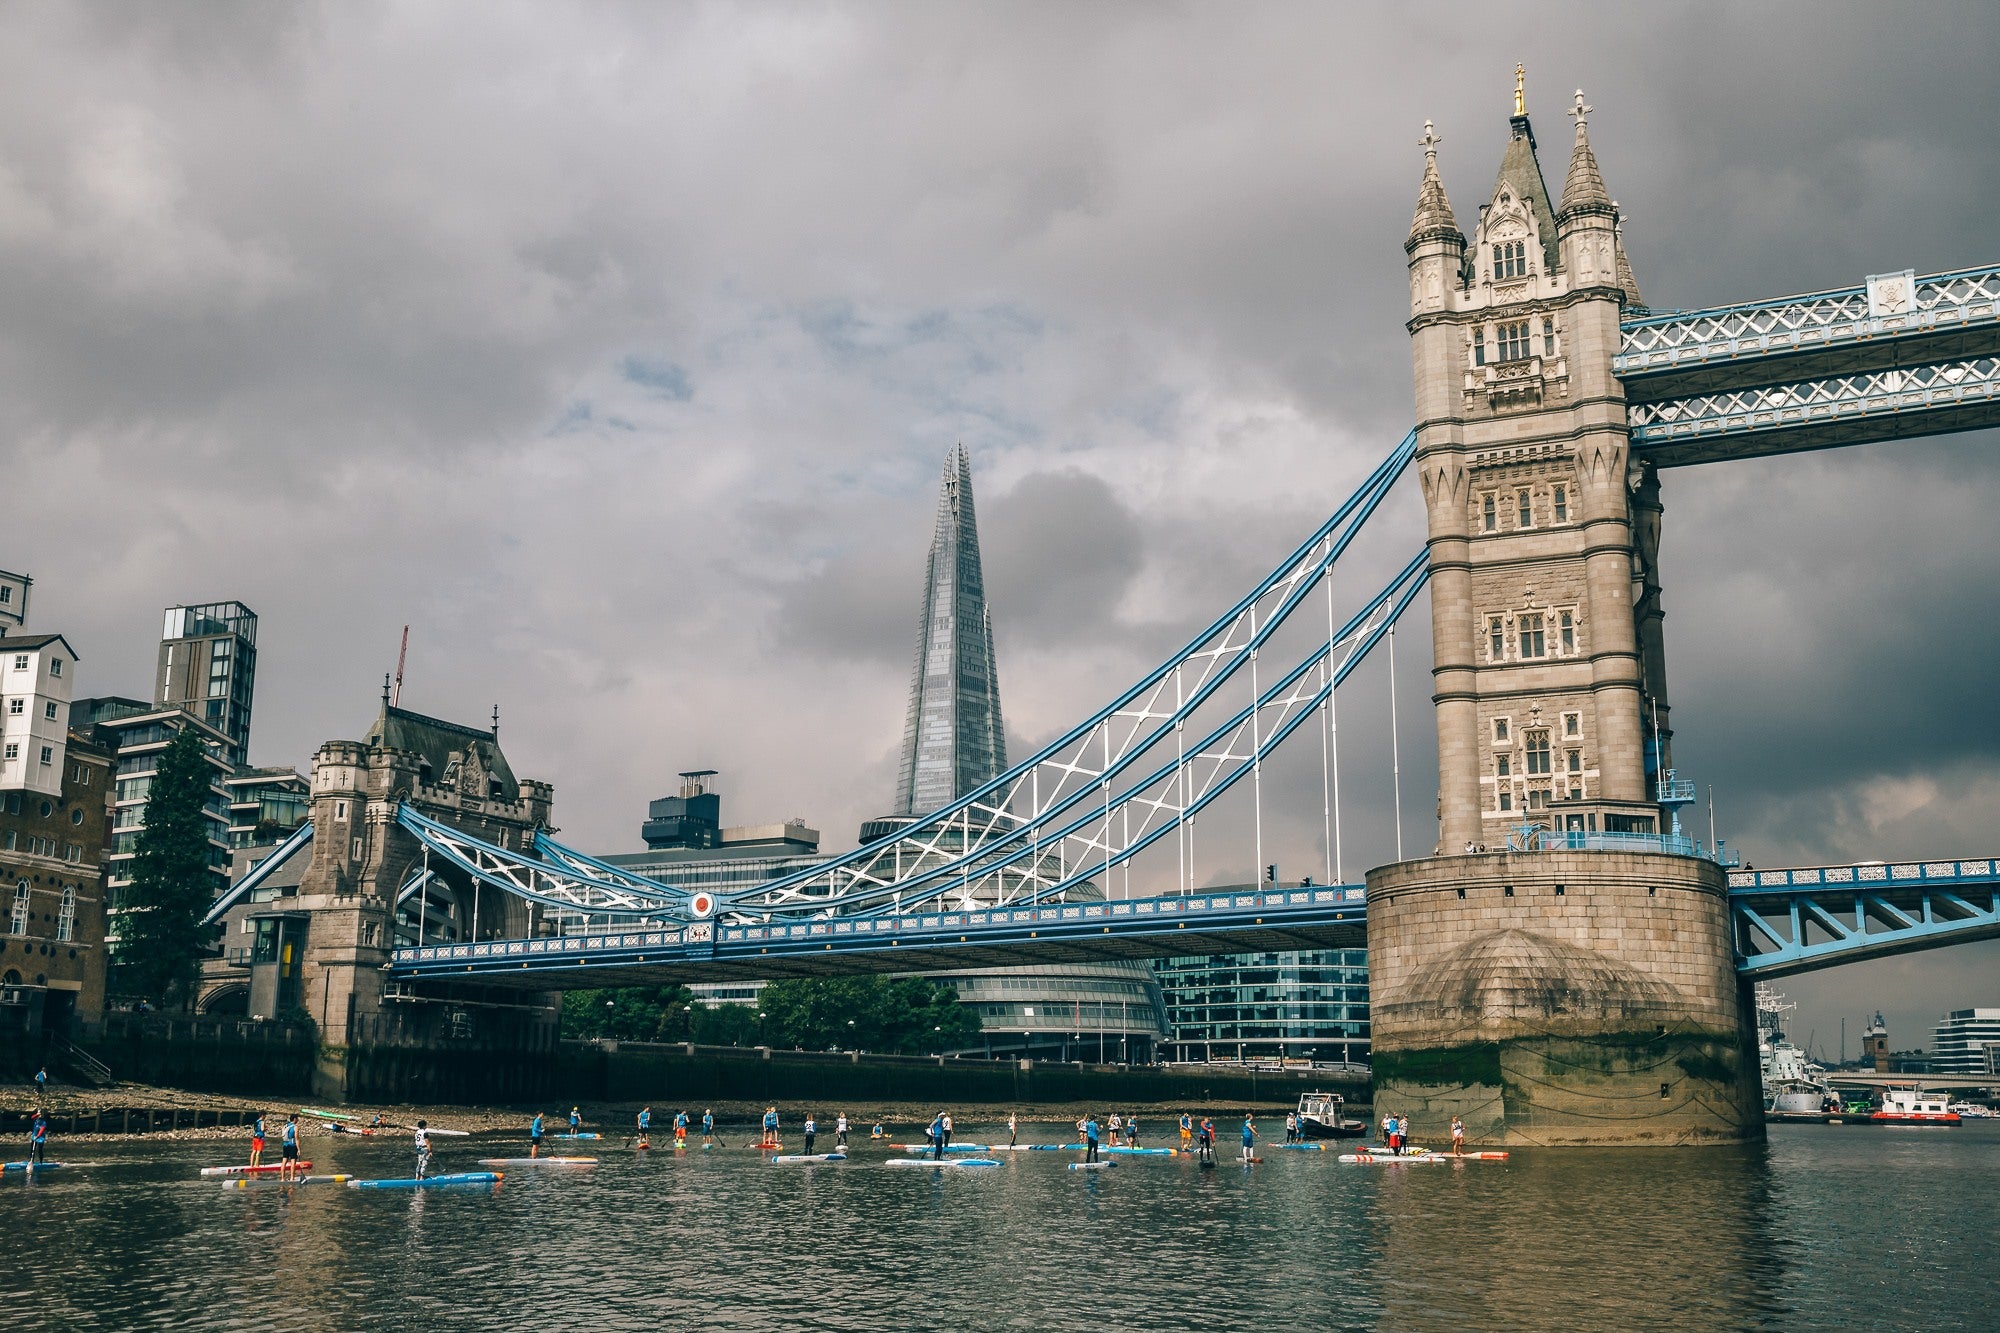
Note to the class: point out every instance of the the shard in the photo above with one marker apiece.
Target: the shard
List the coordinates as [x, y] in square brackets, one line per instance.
[953, 740]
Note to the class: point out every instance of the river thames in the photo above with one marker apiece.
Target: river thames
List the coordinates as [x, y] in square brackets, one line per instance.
[1820, 1228]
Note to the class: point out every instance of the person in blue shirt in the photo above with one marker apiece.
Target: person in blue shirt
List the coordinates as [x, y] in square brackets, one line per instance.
[876, 1133]
[645, 1127]
[1207, 1140]
[1187, 1131]
[811, 1132]
[1089, 1128]
[1132, 1130]
[575, 1119]
[535, 1136]
[770, 1127]
[288, 1149]
[1249, 1137]
[707, 1128]
[936, 1133]
[680, 1129]
[38, 1138]
[41, 1083]
[257, 1141]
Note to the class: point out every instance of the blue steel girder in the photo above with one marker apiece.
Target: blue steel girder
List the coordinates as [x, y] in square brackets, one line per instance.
[300, 838]
[1898, 356]
[549, 884]
[1799, 920]
[1320, 917]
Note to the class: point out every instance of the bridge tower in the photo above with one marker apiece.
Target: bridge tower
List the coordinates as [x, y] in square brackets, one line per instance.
[1584, 995]
[373, 1044]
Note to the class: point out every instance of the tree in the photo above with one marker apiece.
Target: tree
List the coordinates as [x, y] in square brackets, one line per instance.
[908, 1015]
[161, 935]
[630, 1013]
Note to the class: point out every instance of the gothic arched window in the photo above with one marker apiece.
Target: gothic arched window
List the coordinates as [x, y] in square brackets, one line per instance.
[1510, 259]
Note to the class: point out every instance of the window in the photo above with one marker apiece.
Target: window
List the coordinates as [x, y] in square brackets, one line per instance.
[1538, 799]
[1514, 340]
[1538, 752]
[1490, 514]
[1506, 799]
[55, 666]
[1575, 762]
[49, 710]
[1561, 498]
[66, 915]
[1503, 767]
[7, 841]
[76, 815]
[13, 750]
[6, 593]
[1572, 724]
[1510, 259]
[15, 707]
[72, 852]
[48, 754]
[1548, 339]
[1526, 501]
[1534, 639]
[1566, 627]
[1496, 642]
[340, 809]
[1499, 731]
[20, 661]
[19, 924]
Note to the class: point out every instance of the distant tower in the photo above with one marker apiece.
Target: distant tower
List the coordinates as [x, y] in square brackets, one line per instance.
[952, 739]
[1585, 991]
[1875, 1044]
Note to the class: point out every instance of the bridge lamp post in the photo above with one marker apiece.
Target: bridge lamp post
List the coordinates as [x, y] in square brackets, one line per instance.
[850, 1035]
[687, 1019]
[760, 1027]
[937, 1041]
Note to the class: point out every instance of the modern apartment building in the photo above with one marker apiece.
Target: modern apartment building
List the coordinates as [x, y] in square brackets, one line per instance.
[1960, 1042]
[208, 668]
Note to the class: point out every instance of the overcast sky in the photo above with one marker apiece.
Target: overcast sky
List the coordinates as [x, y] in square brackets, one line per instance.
[617, 349]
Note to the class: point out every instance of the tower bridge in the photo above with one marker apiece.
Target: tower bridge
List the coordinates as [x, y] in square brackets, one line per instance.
[1567, 966]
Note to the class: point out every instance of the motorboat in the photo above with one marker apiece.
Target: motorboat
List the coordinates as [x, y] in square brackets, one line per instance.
[1321, 1116]
[1913, 1106]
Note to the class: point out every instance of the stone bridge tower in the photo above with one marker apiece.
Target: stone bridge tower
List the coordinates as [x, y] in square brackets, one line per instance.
[361, 862]
[1583, 995]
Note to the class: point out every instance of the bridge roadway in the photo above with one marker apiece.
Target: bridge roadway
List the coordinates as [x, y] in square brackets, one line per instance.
[1787, 921]
[1314, 917]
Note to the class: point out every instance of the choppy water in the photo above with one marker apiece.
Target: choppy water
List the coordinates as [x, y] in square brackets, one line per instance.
[1821, 1228]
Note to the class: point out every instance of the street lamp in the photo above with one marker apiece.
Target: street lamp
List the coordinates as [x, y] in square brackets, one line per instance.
[937, 1044]
[760, 1027]
[850, 1034]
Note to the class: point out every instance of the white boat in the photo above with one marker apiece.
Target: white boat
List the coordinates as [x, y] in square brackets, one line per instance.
[1971, 1111]
[1913, 1106]
[1320, 1117]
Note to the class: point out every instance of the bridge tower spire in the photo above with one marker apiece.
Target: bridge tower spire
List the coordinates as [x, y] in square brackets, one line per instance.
[1548, 683]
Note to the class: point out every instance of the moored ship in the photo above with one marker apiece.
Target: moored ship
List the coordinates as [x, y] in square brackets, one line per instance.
[1913, 1106]
[1321, 1116]
[1794, 1087]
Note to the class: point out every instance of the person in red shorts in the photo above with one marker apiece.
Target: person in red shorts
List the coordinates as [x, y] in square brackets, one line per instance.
[257, 1141]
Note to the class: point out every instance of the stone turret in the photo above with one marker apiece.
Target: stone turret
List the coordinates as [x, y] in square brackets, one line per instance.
[1549, 686]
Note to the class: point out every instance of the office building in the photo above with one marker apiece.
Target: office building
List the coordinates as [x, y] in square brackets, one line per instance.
[265, 805]
[135, 733]
[1263, 1007]
[1959, 1042]
[208, 667]
[36, 674]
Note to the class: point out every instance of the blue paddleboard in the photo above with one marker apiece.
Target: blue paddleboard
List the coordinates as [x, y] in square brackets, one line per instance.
[462, 1178]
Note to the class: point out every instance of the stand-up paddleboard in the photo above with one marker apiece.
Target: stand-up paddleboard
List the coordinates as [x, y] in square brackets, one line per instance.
[462, 1178]
[1302, 1147]
[33, 1166]
[1471, 1156]
[1389, 1159]
[1091, 1166]
[1021, 1147]
[267, 1169]
[1141, 1152]
[244, 1184]
[339, 1128]
[450, 1133]
[948, 1163]
[811, 1157]
[538, 1161]
[977, 1161]
[1048, 1147]
[327, 1115]
[584, 1135]
[949, 1147]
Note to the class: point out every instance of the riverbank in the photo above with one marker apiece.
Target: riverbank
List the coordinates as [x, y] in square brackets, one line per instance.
[614, 1118]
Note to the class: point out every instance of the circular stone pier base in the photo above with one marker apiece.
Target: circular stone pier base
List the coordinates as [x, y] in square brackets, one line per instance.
[1570, 997]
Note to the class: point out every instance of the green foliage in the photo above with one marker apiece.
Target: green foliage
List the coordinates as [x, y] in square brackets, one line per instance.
[908, 1015]
[162, 938]
[630, 1013]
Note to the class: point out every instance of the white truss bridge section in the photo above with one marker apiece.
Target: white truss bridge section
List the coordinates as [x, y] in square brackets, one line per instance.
[1833, 401]
[1887, 306]
[551, 884]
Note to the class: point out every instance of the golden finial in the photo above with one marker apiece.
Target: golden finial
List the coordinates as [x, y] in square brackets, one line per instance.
[1520, 90]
